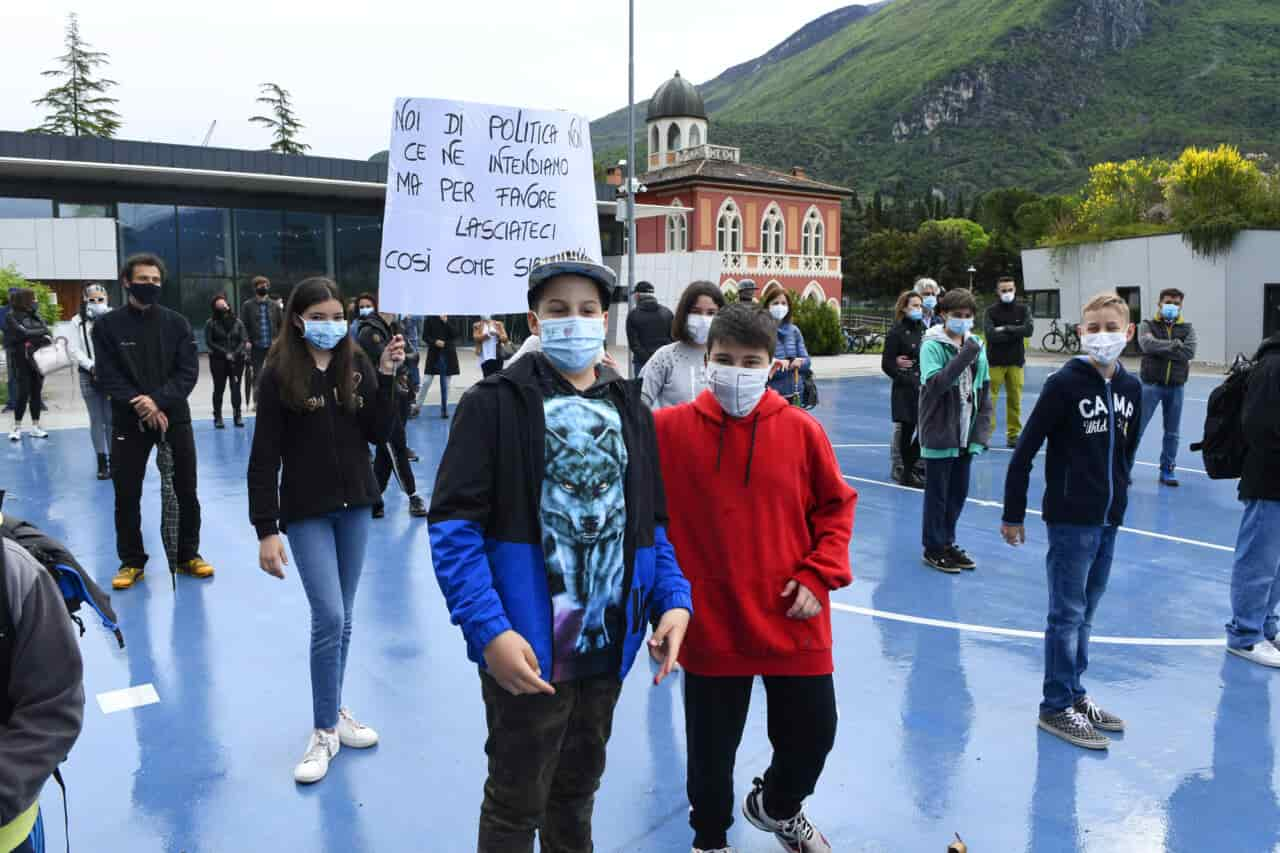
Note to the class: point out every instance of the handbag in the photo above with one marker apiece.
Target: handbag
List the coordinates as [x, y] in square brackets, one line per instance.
[52, 357]
[506, 351]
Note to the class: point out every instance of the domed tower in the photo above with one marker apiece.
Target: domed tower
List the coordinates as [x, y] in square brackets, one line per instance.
[677, 119]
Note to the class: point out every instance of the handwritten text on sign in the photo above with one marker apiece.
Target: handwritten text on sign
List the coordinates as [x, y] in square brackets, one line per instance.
[474, 194]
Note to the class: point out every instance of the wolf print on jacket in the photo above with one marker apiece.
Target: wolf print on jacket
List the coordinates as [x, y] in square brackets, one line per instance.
[583, 530]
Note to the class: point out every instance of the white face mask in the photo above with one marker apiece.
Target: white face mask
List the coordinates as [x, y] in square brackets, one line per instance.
[698, 326]
[738, 389]
[1007, 297]
[1104, 347]
[778, 311]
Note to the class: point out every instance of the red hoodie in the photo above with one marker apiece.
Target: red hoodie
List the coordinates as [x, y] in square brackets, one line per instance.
[753, 503]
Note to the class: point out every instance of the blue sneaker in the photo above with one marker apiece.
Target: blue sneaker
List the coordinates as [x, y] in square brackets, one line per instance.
[1168, 478]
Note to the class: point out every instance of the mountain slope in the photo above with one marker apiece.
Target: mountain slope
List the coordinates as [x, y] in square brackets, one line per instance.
[973, 94]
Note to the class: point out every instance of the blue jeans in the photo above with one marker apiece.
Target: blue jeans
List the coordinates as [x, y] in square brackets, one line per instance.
[328, 553]
[442, 369]
[946, 488]
[1171, 397]
[1079, 565]
[1255, 577]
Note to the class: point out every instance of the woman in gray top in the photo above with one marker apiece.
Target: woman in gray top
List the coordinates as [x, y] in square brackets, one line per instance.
[676, 373]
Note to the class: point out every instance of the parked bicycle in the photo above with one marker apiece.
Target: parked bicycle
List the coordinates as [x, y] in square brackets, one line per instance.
[862, 339]
[1063, 339]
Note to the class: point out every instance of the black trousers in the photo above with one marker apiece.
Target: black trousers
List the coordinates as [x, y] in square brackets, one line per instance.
[395, 453]
[224, 371]
[946, 488]
[802, 730]
[130, 449]
[546, 757]
[909, 448]
[27, 387]
[257, 356]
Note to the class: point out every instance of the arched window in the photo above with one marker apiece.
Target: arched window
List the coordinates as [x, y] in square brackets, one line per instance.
[677, 230]
[729, 229]
[812, 233]
[813, 292]
[772, 244]
[673, 137]
[655, 140]
[695, 136]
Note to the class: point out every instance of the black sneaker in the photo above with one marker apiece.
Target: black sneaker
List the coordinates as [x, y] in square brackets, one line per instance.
[1074, 728]
[942, 562]
[796, 834]
[1100, 718]
[417, 508]
[960, 558]
[413, 455]
[218, 424]
[238, 421]
[379, 510]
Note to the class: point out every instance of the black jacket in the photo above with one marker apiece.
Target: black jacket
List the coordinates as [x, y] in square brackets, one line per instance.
[22, 328]
[1092, 427]
[1008, 348]
[249, 316]
[324, 451]
[222, 340]
[1260, 423]
[1167, 351]
[648, 330]
[904, 339]
[127, 366]
[434, 329]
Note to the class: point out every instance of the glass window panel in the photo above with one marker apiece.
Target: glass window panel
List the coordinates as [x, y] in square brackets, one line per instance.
[204, 241]
[359, 243]
[26, 208]
[83, 211]
[197, 292]
[259, 245]
[152, 228]
[306, 245]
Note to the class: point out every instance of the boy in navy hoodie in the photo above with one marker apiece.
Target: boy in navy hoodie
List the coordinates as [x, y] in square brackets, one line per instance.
[1090, 412]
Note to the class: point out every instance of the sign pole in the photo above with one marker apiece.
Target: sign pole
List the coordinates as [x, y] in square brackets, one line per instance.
[631, 161]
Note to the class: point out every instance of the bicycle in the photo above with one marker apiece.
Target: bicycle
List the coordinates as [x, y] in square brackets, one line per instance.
[1064, 339]
[861, 339]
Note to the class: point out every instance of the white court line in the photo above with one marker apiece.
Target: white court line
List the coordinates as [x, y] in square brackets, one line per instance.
[1147, 464]
[998, 505]
[1016, 632]
[128, 698]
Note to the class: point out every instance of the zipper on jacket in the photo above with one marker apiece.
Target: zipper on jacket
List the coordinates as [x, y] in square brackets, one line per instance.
[1111, 450]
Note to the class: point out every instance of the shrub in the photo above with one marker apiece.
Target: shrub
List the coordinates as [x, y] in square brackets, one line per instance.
[820, 325]
[46, 304]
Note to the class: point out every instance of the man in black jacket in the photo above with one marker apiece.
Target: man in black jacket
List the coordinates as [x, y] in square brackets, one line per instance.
[1007, 327]
[648, 327]
[261, 317]
[1255, 578]
[147, 365]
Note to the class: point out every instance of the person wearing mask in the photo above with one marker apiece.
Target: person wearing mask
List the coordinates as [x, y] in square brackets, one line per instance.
[441, 361]
[24, 333]
[147, 364]
[930, 293]
[1088, 412]
[373, 332]
[762, 593]
[490, 336]
[901, 363]
[954, 425]
[41, 692]
[320, 405]
[677, 372]
[790, 359]
[224, 339]
[1007, 326]
[93, 304]
[261, 318]
[649, 327]
[1255, 575]
[548, 532]
[1168, 345]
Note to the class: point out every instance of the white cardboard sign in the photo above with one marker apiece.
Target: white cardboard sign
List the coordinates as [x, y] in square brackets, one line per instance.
[475, 193]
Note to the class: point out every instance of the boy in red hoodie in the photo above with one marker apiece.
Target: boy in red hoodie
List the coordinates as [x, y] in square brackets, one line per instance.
[761, 520]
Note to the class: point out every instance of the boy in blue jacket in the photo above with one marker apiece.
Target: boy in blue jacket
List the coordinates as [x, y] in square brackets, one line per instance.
[548, 534]
[1090, 412]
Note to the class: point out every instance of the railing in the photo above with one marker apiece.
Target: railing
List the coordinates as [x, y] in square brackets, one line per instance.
[757, 263]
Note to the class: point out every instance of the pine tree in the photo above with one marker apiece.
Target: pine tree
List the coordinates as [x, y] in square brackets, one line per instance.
[282, 123]
[80, 106]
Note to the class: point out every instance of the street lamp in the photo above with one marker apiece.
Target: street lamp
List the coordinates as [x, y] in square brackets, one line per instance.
[972, 270]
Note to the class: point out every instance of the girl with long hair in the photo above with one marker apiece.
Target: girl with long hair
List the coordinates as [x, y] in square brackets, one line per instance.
[93, 304]
[677, 372]
[226, 339]
[24, 333]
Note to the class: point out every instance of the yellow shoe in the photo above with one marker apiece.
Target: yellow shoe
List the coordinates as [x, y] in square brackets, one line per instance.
[196, 568]
[127, 577]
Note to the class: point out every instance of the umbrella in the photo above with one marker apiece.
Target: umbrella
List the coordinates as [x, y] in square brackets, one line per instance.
[168, 506]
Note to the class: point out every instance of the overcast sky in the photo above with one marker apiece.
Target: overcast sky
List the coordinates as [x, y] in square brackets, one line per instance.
[180, 66]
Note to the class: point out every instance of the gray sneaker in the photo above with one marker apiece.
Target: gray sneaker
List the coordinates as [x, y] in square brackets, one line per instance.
[1100, 718]
[796, 835]
[1074, 728]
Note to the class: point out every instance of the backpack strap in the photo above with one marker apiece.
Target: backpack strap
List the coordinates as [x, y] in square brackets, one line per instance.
[7, 629]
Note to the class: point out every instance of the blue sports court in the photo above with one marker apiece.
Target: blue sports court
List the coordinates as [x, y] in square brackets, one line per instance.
[938, 681]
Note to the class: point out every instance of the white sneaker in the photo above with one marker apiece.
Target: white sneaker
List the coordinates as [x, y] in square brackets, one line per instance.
[315, 763]
[353, 733]
[36, 432]
[16, 434]
[1263, 653]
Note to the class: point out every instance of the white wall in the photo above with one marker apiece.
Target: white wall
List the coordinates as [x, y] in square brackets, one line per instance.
[1254, 263]
[60, 249]
[669, 273]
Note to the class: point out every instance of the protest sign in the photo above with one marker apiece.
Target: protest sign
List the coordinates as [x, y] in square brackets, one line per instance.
[475, 193]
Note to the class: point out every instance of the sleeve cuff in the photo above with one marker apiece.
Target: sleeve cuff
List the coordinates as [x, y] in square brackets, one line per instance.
[266, 528]
[813, 581]
[482, 635]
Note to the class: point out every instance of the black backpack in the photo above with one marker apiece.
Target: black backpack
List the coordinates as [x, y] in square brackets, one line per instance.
[1223, 445]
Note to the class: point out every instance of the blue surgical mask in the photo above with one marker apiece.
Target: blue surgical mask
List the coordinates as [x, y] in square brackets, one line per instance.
[957, 326]
[572, 343]
[365, 311]
[916, 314]
[1170, 311]
[930, 302]
[325, 334]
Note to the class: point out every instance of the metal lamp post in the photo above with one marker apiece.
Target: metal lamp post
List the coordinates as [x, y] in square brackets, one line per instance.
[631, 157]
[972, 270]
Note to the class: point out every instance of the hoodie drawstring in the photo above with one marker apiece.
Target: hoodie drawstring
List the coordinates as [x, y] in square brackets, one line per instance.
[724, 425]
[751, 448]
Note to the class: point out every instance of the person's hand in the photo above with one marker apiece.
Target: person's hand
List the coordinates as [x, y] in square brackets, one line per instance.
[144, 406]
[158, 421]
[806, 605]
[667, 639]
[514, 666]
[230, 357]
[392, 356]
[775, 367]
[1014, 534]
[271, 556]
[609, 361]
[904, 363]
[248, 346]
[439, 344]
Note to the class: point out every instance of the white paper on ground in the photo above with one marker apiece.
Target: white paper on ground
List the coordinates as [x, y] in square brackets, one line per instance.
[128, 698]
